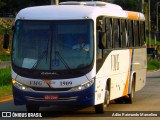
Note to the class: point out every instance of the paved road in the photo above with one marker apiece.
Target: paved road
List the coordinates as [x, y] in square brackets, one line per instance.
[148, 99]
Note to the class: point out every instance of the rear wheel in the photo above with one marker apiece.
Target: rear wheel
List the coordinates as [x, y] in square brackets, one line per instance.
[101, 107]
[130, 98]
[32, 108]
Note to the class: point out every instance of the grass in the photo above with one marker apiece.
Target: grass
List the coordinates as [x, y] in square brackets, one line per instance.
[5, 77]
[153, 64]
[5, 82]
[5, 90]
[153, 41]
[5, 57]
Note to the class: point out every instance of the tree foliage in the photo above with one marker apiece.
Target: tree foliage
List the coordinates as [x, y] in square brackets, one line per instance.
[13, 6]
[2, 3]
[132, 5]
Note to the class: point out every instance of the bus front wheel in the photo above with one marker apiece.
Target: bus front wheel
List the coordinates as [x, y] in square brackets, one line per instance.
[101, 107]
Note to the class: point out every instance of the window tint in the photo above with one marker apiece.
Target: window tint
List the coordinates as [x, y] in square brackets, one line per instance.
[142, 31]
[116, 29]
[124, 33]
[109, 33]
[130, 33]
[136, 33]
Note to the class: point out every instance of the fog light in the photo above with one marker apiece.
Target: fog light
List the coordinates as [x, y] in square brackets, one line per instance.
[19, 85]
[83, 86]
[23, 88]
[13, 81]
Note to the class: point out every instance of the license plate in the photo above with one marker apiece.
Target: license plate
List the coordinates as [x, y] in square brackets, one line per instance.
[50, 97]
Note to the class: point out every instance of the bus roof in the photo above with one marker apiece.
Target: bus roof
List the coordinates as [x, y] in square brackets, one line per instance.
[77, 10]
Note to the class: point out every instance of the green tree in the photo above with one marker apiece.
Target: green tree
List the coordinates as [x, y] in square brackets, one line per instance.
[132, 5]
[2, 3]
[13, 6]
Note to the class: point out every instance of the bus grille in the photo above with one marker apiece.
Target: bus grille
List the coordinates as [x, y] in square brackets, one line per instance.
[50, 89]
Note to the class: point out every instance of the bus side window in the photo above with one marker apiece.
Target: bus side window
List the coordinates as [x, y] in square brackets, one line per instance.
[101, 32]
[130, 33]
[116, 35]
[136, 34]
[108, 33]
[142, 31]
[123, 34]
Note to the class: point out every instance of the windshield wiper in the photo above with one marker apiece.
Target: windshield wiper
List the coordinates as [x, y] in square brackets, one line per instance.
[62, 60]
[44, 54]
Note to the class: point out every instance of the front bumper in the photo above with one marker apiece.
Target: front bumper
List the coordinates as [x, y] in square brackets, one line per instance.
[84, 97]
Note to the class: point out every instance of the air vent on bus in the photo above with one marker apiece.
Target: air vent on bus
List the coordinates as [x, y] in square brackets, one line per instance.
[91, 3]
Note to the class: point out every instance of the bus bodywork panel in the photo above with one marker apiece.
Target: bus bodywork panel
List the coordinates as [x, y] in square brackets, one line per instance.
[62, 12]
[36, 90]
[85, 97]
[119, 67]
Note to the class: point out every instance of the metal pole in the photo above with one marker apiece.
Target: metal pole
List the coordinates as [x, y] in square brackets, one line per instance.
[54, 2]
[149, 26]
[142, 3]
[57, 2]
[157, 15]
[155, 35]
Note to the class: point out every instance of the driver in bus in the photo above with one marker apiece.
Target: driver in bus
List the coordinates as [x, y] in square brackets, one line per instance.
[81, 44]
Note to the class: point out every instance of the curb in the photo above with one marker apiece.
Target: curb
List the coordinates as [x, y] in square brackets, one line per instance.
[151, 71]
[5, 99]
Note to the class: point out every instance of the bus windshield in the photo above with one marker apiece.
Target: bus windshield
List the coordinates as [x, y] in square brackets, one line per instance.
[53, 45]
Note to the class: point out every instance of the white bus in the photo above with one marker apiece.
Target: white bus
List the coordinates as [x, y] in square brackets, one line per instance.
[110, 65]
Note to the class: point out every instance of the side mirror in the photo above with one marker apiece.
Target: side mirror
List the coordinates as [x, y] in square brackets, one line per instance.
[13, 28]
[101, 24]
[6, 41]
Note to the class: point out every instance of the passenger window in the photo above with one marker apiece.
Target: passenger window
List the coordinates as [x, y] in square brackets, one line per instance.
[123, 33]
[116, 30]
[109, 33]
[130, 33]
[136, 33]
[142, 30]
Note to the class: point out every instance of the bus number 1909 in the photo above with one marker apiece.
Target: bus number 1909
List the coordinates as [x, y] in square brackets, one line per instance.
[65, 83]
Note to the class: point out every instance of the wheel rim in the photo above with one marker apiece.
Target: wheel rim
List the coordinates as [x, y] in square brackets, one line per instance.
[106, 101]
[133, 90]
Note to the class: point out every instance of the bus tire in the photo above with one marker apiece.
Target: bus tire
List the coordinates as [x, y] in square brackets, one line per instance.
[32, 108]
[99, 109]
[107, 97]
[130, 98]
[127, 99]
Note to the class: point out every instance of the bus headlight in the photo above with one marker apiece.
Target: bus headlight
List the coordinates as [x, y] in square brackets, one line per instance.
[19, 85]
[83, 86]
